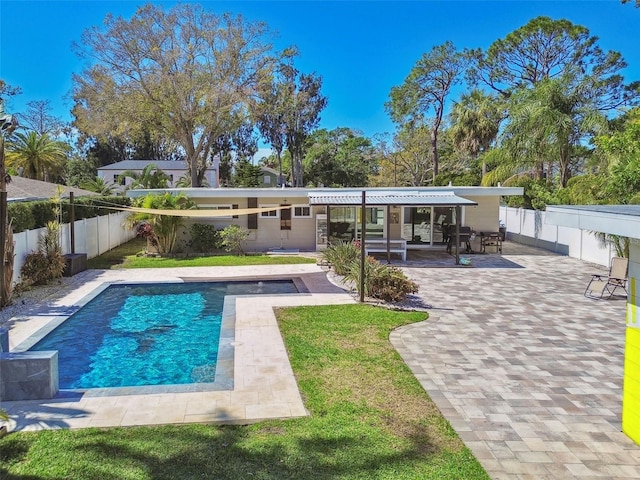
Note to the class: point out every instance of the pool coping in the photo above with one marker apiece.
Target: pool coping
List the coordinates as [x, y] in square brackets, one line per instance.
[226, 344]
[264, 386]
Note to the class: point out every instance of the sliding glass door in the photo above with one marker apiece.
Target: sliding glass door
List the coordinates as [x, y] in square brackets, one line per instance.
[427, 225]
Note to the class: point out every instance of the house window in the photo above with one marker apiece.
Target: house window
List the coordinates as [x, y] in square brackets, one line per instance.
[119, 181]
[269, 214]
[267, 180]
[205, 206]
[301, 211]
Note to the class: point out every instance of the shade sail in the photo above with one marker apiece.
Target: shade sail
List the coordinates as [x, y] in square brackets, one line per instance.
[405, 198]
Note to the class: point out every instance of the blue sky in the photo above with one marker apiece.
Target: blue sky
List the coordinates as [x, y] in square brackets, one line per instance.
[361, 49]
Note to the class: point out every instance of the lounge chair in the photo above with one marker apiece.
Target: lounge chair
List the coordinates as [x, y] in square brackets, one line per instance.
[603, 286]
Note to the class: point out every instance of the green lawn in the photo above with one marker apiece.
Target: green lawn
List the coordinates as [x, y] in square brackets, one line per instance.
[370, 419]
[125, 256]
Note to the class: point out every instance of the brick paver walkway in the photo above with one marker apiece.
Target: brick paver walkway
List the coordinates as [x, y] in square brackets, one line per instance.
[527, 370]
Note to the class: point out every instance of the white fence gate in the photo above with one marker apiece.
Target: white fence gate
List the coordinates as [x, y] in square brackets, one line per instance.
[530, 228]
[93, 236]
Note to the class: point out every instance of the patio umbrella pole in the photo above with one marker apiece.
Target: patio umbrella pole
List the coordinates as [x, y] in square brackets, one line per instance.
[362, 240]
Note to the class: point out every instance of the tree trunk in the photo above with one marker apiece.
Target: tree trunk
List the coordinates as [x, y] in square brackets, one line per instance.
[434, 152]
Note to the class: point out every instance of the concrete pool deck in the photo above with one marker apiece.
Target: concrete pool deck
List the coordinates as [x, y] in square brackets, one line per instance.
[264, 385]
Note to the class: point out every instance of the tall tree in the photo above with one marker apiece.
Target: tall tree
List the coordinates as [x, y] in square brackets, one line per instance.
[339, 158]
[547, 126]
[247, 174]
[245, 142]
[304, 104]
[545, 48]
[39, 156]
[38, 118]
[185, 73]
[622, 151]
[289, 110]
[426, 89]
[412, 155]
[269, 114]
[222, 148]
[475, 122]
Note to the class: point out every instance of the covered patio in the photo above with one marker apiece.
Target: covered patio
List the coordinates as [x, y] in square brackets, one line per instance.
[375, 217]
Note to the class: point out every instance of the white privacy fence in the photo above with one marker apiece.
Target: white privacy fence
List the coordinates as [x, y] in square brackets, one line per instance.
[93, 236]
[529, 227]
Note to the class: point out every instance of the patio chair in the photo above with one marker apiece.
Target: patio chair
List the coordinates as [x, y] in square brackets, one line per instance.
[603, 286]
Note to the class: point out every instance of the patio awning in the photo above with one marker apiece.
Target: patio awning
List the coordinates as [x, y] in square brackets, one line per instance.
[389, 197]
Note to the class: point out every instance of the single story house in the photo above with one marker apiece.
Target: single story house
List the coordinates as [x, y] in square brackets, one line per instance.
[174, 169]
[622, 220]
[307, 219]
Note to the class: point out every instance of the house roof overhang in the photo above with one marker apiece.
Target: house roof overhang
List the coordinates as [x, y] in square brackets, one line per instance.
[623, 220]
[300, 192]
[389, 197]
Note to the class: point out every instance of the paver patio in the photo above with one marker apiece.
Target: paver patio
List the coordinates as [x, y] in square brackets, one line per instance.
[527, 370]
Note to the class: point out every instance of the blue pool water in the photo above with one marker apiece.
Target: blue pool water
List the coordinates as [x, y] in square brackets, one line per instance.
[147, 334]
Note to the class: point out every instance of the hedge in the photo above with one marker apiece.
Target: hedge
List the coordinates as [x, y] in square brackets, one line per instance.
[32, 215]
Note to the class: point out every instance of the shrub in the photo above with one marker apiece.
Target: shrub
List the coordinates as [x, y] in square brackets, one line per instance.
[391, 284]
[204, 238]
[43, 213]
[233, 238]
[340, 255]
[21, 216]
[145, 230]
[31, 215]
[47, 262]
[38, 268]
[383, 282]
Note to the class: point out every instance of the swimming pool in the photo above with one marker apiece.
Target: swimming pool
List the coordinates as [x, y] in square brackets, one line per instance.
[133, 335]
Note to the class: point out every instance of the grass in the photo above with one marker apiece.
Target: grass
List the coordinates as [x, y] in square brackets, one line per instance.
[369, 419]
[125, 256]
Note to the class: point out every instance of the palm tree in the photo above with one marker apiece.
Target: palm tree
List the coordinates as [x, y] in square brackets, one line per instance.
[547, 125]
[150, 177]
[98, 185]
[475, 122]
[164, 227]
[39, 156]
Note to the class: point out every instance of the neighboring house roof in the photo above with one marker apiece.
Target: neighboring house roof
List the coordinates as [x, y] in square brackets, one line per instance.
[23, 189]
[140, 164]
[270, 170]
